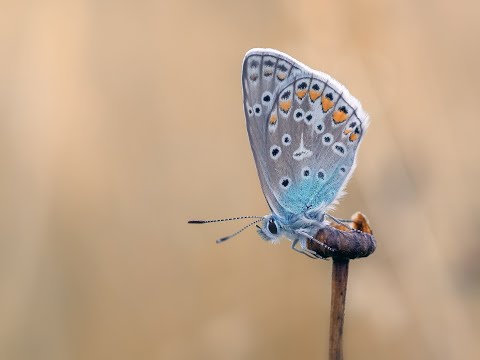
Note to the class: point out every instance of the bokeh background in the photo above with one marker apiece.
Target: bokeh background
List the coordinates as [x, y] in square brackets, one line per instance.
[120, 120]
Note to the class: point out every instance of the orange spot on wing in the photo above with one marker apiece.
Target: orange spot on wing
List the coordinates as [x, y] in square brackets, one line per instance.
[339, 116]
[273, 119]
[347, 131]
[327, 104]
[353, 137]
[301, 94]
[285, 105]
[281, 76]
[314, 95]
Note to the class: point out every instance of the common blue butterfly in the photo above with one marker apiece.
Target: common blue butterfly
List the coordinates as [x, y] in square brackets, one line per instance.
[304, 129]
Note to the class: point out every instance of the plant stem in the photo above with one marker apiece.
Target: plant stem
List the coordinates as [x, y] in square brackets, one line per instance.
[337, 311]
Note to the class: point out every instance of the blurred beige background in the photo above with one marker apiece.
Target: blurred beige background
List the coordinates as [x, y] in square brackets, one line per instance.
[121, 120]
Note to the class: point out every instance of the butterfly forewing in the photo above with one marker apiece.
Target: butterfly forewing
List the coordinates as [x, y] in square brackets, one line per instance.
[305, 138]
[263, 74]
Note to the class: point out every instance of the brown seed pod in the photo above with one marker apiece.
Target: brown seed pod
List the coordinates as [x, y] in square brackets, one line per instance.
[348, 244]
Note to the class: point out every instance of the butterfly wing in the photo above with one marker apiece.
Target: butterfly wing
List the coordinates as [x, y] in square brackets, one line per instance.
[305, 141]
[264, 73]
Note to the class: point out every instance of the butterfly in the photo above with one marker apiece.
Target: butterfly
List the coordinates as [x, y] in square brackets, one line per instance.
[304, 129]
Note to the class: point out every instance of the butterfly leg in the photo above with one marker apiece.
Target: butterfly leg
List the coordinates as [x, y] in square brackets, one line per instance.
[311, 254]
[343, 222]
[315, 240]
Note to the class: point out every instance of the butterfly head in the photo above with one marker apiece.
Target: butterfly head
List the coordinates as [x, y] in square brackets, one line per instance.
[272, 229]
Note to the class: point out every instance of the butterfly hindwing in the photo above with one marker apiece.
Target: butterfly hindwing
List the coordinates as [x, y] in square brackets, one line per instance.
[305, 140]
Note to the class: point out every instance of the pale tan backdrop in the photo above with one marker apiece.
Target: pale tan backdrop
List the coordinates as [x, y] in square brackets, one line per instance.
[121, 120]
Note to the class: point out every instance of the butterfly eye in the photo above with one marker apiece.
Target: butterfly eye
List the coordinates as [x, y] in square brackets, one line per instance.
[272, 227]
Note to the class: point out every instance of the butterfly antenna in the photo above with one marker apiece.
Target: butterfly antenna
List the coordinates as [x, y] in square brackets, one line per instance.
[219, 220]
[238, 232]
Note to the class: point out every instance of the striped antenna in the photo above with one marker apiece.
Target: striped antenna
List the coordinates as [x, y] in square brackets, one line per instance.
[219, 220]
[238, 232]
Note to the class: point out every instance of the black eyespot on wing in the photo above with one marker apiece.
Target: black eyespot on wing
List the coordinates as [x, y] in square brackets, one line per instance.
[357, 131]
[340, 149]
[343, 109]
[286, 95]
[257, 109]
[302, 86]
[266, 98]
[343, 169]
[286, 139]
[298, 114]
[282, 68]
[254, 64]
[329, 96]
[285, 182]
[327, 139]
[352, 125]
[275, 152]
[321, 175]
[309, 117]
[320, 127]
[269, 63]
[316, 87]
[272, 227]
[306, 173]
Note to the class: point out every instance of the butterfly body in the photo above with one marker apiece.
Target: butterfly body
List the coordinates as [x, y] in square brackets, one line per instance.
[304, 129]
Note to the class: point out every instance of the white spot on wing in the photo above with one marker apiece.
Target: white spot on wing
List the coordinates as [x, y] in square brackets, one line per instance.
[308, 118]
[298, 115]
[327, 139]
[257, 109]
[319, 127]
[286, 139]
[285, 182]
[302, 152]
[249, 109]
[267, 98]
[275, 152]
[321, 175]
[342, 171]
[339, 149]
[306, 172]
